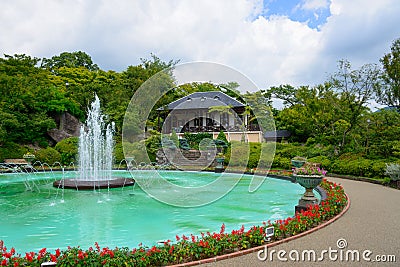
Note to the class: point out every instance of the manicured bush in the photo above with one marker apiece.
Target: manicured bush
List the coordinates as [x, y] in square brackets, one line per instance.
[221, 136]
[48, 155]
[291, 151]
[68, 149]
[243, 154]
[378, 168]
[323, 160]
[282, 162]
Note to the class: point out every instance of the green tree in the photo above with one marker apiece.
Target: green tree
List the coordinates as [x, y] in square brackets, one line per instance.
[389, 93]
[285, 92]
[71, 60]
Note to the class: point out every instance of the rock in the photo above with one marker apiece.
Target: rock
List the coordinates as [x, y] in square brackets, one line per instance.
[68, 126]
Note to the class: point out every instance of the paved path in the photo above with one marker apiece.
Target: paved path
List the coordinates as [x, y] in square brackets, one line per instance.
[372, 223]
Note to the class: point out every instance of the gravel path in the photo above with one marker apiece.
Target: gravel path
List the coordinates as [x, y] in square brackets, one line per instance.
[372, 223]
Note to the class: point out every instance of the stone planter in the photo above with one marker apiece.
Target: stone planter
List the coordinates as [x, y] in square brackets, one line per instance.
[298, 163]
[29, 158]
[309, 182]
[220, 164]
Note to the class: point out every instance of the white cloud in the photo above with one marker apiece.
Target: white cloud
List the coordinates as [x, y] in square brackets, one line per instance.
[314, 4]
[269, 51]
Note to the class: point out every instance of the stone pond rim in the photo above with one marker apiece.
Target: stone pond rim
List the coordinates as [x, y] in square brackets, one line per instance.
[90, 185]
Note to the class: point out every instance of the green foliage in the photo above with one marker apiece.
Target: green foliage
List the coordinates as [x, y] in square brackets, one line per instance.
[118, 152]
[358, 167]
[68, 149]
[195, 139]
[183, 144]
[389, 93]
[136, 150]
[281, 162]
[174, 138]
[243, 154]
[11, 150]
[71, 60]
[221, 136]
[48, 155]
[167, 142]
[323, 160]
[153, 143]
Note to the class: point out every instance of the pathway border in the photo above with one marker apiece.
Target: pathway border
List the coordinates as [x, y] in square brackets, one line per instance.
[254, 249]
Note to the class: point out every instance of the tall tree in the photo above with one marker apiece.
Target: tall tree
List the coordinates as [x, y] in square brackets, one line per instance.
[356, 88]
[389, 93]
[71, 60]
[285, 92]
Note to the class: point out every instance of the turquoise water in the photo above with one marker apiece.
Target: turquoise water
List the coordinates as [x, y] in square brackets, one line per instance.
[48, 217]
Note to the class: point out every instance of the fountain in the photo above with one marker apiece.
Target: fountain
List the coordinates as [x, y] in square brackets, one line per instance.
[95, 155]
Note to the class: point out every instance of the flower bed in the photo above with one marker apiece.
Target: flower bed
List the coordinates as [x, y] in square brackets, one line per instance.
[186, 248]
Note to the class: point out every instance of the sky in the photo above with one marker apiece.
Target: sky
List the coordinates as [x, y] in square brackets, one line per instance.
[272, 42]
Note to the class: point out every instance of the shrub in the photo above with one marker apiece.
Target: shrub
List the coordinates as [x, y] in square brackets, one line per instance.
[378, 168]
[195, 139]
[291, 151]
[174, 138]
[221, 136]
[136, 150]
[393, 171]
[282, 162]
[118, 152]
[245, 154]
[68, 149]
[183, 144]
[11, 150]
[152, 143]
[323, 160]
[48, 155]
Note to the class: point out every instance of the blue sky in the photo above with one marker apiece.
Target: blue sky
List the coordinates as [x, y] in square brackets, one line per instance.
[272, 42]
[313, 13]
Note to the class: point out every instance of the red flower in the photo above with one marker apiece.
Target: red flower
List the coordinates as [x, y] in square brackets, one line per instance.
[29, 256]
[177, 238]
[81, 255]
[53, 258]
[171, 249]
[222, 229]
[97, 246]
[4, 263]
[58, 253]
[203, 244]
[16, 264]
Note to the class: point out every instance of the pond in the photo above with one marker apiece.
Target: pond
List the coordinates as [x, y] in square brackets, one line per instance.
[124, 217]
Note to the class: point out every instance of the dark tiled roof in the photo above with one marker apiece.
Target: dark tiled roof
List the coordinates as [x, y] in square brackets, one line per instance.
[204, 100]
[277, 134]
